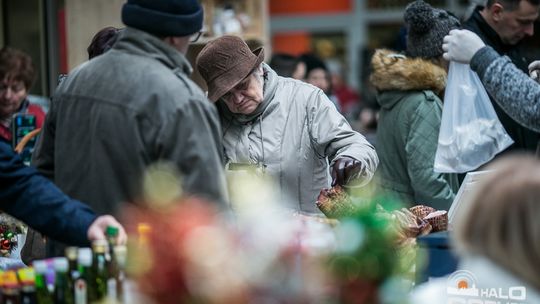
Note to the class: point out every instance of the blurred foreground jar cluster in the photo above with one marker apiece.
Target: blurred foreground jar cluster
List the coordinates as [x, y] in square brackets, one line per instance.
[84, 275]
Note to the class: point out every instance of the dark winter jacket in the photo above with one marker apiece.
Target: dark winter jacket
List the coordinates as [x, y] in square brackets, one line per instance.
[122, 111]
[36, 201]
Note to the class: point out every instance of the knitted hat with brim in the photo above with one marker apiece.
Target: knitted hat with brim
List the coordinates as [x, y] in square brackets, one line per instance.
[164, 18]
[224, 62]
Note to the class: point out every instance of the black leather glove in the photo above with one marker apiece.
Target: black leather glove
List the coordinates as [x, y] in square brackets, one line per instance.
[344, 170]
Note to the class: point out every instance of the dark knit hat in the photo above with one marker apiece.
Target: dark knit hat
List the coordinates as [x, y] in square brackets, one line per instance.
[426, 28]
[164, 17]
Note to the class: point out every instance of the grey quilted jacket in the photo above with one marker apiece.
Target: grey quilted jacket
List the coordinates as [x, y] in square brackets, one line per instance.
[296, 137]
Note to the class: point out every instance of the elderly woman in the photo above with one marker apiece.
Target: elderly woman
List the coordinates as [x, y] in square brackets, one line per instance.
[497, 237]
[17, 76]
[287, 128]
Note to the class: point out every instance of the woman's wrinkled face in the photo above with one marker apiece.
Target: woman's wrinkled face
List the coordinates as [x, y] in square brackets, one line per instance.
[12, 94]
[246, 96]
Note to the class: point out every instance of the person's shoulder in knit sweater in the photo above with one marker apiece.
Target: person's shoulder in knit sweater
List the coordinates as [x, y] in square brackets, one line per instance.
[513, 90]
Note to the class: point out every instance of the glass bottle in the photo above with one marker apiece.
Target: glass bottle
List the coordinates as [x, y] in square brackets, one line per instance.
[42, 291]
[71, 255]
[98, 286]
[63, 289]
[112, 233]
[81, 286]
[28, 288]
[115, 284]
[10, 288]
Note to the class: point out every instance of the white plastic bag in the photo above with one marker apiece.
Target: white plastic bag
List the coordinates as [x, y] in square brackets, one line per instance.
[470, 134]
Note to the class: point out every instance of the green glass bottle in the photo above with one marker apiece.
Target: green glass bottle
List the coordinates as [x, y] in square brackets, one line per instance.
[112, 234]
[98, 286]
[63, 290]
[42, 292]
[81, 286]
[71, 255]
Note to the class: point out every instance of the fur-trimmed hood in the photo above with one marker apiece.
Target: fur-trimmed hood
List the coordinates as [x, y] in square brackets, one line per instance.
[395, 72]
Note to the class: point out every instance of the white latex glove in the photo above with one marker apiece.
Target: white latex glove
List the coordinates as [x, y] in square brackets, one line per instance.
[461, 45]
[534, 70]
[96, 231]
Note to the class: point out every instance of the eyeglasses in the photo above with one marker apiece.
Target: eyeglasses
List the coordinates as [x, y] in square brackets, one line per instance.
[15, 87]
[195, 37]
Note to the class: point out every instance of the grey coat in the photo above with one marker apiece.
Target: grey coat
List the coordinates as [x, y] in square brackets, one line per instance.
[296, 133]
[515, 92]
[122, 111]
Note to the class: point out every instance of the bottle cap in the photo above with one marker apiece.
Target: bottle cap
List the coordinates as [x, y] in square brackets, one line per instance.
[26, 275]
[60, 264]
[84, 257]
[40, 266]
[9, 279]
[111, 231]
[100, 246]
[71, 253]
[120, 251]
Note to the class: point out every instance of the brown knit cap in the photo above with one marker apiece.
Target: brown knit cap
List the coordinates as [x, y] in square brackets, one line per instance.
[226, 61]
